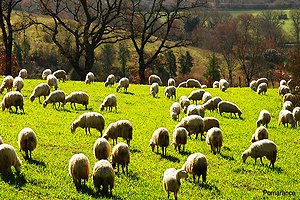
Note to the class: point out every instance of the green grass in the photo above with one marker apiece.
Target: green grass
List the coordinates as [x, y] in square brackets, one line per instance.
[228, 178]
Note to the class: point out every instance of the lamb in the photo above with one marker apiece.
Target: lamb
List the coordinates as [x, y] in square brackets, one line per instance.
[295, 99]
[1, 141]
[195, 110]
[260, 134]
[216, 84]
[123, 83]
[79, 168]
[171, 180]
[282, 82]
[52, 81]
[18, 83]
[210, 122]
[214, 138]
[42, 89]
[101, 149]
[89, 120]
[264, 118]
[262, 80]
[154, 79]
[206, 96]
[154, 89]
[196, 95]
[283, 89]
[103, 175]
[288, 105]
[171, 82]
[13, 98]
[182, 84]
[27, 141]
[212, 104]
[262, 88]
[175, 111]
[296, 114]
[184, 103]
[260, 149]
[179, 138]
[57, 96]
[196, 164]
[160, 138]
[170, 92]
[286, 117]
[110, 101]
[90, 78]
[77, 97]
[7, 83]
[223, 85]
[120, 128]
[193, 83]
[193, 124]
[110, 80]
[120, 156]
[45, 73]
[228, 107]
[23, 73]
[8, 158]
[253, 85]
[60, 75]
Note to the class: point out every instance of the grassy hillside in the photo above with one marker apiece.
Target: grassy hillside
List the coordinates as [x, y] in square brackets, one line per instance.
[46, 177]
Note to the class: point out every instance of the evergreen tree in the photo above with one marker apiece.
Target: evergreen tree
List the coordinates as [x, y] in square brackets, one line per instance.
[186, 62]
[18, 53]
[171, 63]
[108, 56]
[213, 69]
[124, 56]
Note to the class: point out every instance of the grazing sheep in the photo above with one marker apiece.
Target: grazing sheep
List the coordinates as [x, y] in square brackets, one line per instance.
[228, 107]
[210, 122]
[184, 103]
[260, 134]
[193, 83]
[193, 124]
[52, 81]
[214, 138]
[120, 128]
[57, 96]
[13, 98]
[260, 149]
[283, 89]
[295, 99]
[196, 164]
[264, 118]
[195, 110]
[120, 156]
[160, 138]
[286, 117]
[89, 120]
[123, 83]
[253, 85]
[1, 141]
[110, 80]
[79, 168]
[171, 180]
[110, 101]
[27, 141]
[45, 73]
[103, 175]
[216, 84]
[8, 158]
[179, 138]
[42, 89]
[206, 96]
[288, 105]
[18, 83]
[77, 97]
[282, 82]
[154, 89]
[262, 88]
[212, 104]
[90, 78]
[154, 79]
[171, 82]
[175, 111]
[182, 84]
[203, 86]
[223, 85]
[7, 83]
[196, 95]
[23, 73]
[262, 80]
[101, 149]
[296, 114]
[292, 84]
[170, 92]
[60, 75]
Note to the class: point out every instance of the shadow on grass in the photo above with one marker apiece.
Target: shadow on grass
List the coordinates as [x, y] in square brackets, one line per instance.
[19, 180]
[37, 163]
[129, 93]
[171, 158]
[227, 157]
[210, 187]
[278, 170]
[185, 152]
[135, 151]
[84, 189]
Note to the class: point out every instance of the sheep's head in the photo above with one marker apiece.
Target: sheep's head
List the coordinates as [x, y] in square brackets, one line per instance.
[1, 89]
[73, 127]
[106, 84]
[18, 165]
[174, 116]
[258, 122]
[245, 156]
[151, 144]
[180, 173]
[44, 104]
[117, 88]
[223, 88]
[31, 98]
[3, 105]
[102, 107]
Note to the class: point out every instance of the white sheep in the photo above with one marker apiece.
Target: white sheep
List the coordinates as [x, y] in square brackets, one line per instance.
[260, 149]
[214, 138]
[89, 78]
[27, 141]
[262, 88]
[57, 96]
[52, 81]
[196, 164]
[103, 175]
[77, 97]
[283, 89]
[193, 124]
[212, 104]
[7, 83]
[264, 118]
[42, 89]
[171, 82]
[262, 80]
[101, 149]
[13, 98]
[121, 156]
[295, 99]
[296, 114]
[110, 80]
[288, 105]
[184, 103]
[18, 83]
[154, 89]
[109, 101]
[203, 86]
[170, 92]
[195, 110]
[175, 111]
[45, 73]
[179, 138]
[216, 84]
[286, 117]
[210, 122]
[193, 83]
[223, 85]
[260, 134]
[89, 120]
[154, 79]
[160, 137]
[23, 73]
[79, 168]
[253, 85]
[196, 95]
[206, 96]
[182, 84]
[123, 83]
[229, 107]
[60, 75]
[171, 180]
[282, 82]
[120, 128]
[8, 158]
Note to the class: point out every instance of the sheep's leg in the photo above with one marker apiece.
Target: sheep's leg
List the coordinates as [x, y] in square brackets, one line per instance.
[261, 161]
[168, 194]
[89, 130]
[71, 105]
[157, 148]
[123, 169]
[127, 169]
[175, 195]
[116, 109]
[39, 100]
[183, 147]
[255, 161]
[116, 140]
[194, 179]
[85, 130]
[86, 107]
[16, 109]
[75, 106]
[30, 155]
[26, 153]
[118, 167]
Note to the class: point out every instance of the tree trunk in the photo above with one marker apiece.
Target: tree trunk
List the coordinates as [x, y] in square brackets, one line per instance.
[89, 61]
[142, 68]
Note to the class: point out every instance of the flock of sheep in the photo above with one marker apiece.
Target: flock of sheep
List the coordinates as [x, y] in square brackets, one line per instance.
[194, 123]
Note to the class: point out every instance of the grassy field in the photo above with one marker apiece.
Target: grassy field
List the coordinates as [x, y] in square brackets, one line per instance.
[46, 177]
